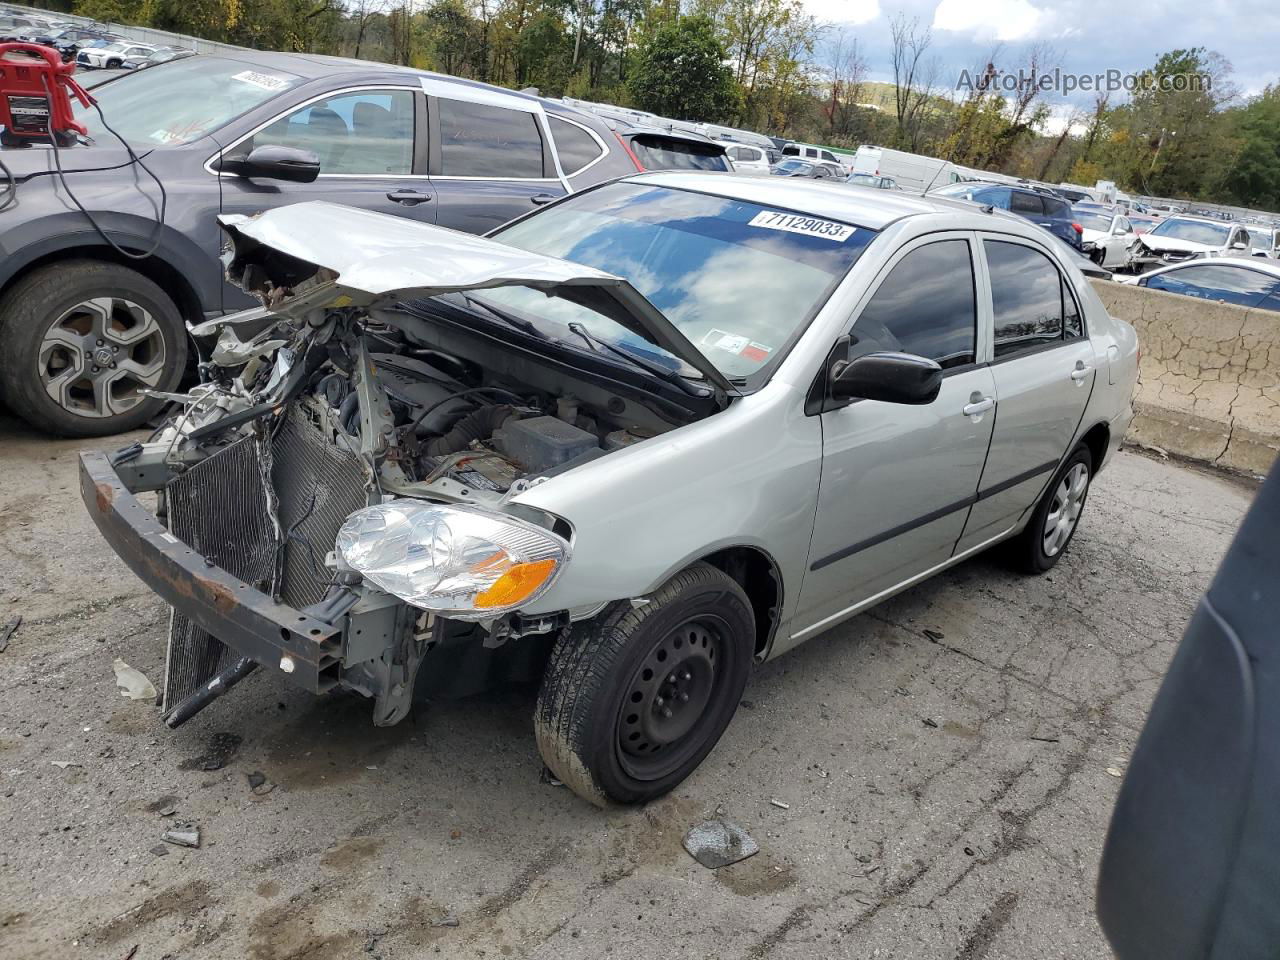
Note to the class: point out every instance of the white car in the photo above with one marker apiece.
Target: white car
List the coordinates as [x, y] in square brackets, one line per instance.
[748, 159]
[113, 55]
[1105, 238]
[1189, 238]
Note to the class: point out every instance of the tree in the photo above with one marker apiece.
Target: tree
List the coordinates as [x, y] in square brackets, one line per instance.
[1254, 178]
[679, 72]
[914, 78]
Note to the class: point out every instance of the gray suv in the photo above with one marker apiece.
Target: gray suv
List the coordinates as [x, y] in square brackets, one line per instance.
[95, 290]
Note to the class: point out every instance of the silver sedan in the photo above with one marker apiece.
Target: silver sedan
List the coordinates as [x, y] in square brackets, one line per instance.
[632, 444]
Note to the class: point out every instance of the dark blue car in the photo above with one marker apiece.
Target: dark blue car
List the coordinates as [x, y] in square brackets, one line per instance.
[1246, 283]
[1052, 213]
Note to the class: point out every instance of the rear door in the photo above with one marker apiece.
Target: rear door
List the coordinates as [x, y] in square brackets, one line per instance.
[1044, 368]
[490, 156]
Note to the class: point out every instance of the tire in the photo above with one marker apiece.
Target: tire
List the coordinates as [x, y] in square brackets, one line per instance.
[93, 333]
[604, 720]
[1032, 551]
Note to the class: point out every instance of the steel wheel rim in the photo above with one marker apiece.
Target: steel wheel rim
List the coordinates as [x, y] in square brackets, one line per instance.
[670, 697]
[97, 357]
[1064, 511]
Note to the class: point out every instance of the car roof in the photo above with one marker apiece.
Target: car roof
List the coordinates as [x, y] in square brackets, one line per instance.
[631, 130]
[828, 199]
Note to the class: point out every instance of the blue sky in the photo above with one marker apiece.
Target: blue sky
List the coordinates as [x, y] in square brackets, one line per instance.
[1089, 37]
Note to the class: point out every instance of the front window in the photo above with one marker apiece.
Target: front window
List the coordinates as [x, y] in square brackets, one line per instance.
[740, 280]
[1093, 221]
[182, 101]
[368, 132]
[1194, 231]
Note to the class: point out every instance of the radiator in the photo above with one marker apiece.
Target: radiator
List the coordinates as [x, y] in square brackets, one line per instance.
[220, 509]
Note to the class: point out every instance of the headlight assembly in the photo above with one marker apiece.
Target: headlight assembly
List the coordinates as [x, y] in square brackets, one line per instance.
[456, 561]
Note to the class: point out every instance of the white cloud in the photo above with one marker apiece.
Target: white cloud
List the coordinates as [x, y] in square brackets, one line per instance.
[1005, 20]
[843, 11]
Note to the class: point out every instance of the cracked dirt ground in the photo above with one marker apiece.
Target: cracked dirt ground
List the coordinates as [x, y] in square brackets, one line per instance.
[975, 838]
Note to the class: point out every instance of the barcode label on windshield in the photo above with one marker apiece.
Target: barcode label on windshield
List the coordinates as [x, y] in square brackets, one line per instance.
[797, 223]
[264, 80]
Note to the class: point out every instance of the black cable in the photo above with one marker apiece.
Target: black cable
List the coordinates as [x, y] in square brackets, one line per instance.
[57, 161]
[11, 189]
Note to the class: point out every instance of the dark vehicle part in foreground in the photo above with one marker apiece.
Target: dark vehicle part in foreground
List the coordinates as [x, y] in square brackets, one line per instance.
[90, 330]
[1189, 871]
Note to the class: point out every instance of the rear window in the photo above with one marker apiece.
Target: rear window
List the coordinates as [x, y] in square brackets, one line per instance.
[658, 153]
[182, 101]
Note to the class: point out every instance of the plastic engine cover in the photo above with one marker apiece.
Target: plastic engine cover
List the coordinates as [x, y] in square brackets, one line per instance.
[540, 443]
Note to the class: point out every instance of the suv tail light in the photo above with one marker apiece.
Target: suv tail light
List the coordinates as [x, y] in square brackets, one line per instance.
[1077, 228]
[629, 152]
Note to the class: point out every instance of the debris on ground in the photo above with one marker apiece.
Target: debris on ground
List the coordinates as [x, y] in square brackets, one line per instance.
[930, 722]
[1115, 772]
[935, 635]
[1045, 739]
[718, 843]
[63, 764]
[132, 683]
[222, 747]
[549, 778]
[259, 785]
[448, 920]
[132, 952]
[167, 811]
[160, 850]
[7, 631]
[183, 835]
[781, 805]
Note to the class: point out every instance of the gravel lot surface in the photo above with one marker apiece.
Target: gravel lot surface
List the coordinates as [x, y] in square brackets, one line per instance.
[944, 758]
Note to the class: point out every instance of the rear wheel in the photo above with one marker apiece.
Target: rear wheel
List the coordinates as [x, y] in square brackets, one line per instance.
[1053, 523]
[79, 342]
[632, 701]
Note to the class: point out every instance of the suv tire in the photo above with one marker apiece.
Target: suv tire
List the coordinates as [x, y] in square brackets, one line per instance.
[94, 333]
[634, 699]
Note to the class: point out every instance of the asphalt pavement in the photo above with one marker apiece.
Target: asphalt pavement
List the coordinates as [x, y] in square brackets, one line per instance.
[943, 767]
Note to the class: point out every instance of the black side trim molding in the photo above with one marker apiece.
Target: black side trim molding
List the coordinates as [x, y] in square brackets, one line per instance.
[1023, 477]
[938, 514]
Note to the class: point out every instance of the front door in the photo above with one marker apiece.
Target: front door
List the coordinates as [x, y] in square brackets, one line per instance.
[1044, 367]
[897, 480]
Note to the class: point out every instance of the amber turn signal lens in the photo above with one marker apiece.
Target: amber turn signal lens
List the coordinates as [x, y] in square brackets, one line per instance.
[516, 584]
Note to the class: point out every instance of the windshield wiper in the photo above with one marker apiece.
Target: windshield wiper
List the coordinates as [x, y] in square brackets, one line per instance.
[520, 323]
[659, 371]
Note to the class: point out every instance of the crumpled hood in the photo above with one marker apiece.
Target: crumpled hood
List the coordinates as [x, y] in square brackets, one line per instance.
[1093, 236]
[1159, 244]
[335, 255]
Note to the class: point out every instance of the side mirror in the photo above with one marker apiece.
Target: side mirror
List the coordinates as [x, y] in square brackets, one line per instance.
[275, 163]
[1240, 245]
[888, 377]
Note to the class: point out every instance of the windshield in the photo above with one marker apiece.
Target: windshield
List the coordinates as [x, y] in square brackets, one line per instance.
[738, 279]
[789, 165]
[1092, 221]
[1260, 239]
[181, 101]
[1196, 231]
[864, 178]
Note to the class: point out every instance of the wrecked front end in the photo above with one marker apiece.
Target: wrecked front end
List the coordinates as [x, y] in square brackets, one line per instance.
[338, 498]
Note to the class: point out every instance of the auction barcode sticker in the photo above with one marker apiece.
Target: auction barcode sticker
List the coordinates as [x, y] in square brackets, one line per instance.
[798, 223]
[264, 80]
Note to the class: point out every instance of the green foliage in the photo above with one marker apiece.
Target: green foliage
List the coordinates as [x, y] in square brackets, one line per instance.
[1254, 178]
[679, 72]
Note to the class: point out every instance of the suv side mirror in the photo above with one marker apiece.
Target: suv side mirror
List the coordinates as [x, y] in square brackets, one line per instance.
[888, 377]
[1240, 245]
[271, 162]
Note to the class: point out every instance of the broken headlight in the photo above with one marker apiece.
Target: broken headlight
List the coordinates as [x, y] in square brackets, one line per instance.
[455, 561]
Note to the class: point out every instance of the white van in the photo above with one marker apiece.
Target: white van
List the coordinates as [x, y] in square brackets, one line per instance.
[912, 172]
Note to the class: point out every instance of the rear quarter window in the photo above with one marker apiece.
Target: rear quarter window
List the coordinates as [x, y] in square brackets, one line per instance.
[574, 145]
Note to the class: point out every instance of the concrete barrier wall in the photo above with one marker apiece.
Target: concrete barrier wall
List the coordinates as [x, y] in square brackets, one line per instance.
[1209, 381]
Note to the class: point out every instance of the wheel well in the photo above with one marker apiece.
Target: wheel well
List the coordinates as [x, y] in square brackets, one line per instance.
[1096, 439]
[153, 268]
[760, 579]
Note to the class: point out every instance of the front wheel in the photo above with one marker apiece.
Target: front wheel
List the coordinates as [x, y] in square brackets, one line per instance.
[1053, 523]
[632, 701]
[81, 340]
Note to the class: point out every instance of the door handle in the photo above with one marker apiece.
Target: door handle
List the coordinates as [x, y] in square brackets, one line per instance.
[978, 407]
[409, 198]
[1081, 371]
[539, 199]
